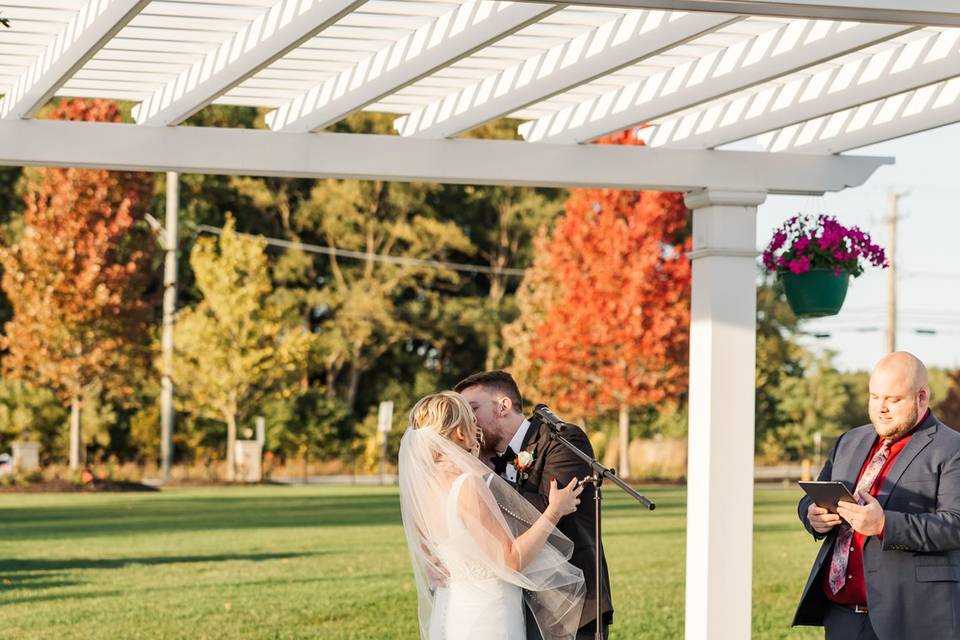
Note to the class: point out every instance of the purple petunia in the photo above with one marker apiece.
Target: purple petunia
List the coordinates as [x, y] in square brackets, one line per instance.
[821, 242]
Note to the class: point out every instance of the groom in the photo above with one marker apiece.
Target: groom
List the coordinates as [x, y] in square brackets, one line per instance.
[497, 405]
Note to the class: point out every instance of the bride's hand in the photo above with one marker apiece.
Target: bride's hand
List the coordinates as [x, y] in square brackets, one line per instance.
[564, 501]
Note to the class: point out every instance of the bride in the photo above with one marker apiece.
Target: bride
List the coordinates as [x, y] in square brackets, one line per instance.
[479, 550]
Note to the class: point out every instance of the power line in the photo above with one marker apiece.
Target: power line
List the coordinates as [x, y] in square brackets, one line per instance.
[378, 257]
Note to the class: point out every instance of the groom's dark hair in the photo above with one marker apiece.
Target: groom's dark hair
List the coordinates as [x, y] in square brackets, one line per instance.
[499, 381]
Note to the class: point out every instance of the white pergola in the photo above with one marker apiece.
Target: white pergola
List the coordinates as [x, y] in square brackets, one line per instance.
[799, 80]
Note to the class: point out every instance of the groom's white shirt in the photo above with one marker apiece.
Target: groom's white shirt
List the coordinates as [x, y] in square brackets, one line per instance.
[510, 473]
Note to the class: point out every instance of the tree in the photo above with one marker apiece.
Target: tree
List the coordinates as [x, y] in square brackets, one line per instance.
[815, 401]
[948, 409]
[502, 223]
[239, 345]
[366, 305]
[615, 334]
[78, 279]
[30, 413]
[308, 424]
[779, 356]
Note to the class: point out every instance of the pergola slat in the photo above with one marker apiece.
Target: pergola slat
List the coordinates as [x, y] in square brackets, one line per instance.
[834, 88]
[615, 44]
[922, 109]
[95, 23]
[444, 40]
[280, 29]
[790, 48]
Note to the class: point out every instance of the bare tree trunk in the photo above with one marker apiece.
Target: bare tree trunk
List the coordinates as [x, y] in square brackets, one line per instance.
[231, 446]
[331, 386]
[624, 468]
[76, 456]
[498, 289]
[353, 384]
[493, 345]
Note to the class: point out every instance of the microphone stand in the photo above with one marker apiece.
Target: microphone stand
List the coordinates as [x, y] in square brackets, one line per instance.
[599, 474]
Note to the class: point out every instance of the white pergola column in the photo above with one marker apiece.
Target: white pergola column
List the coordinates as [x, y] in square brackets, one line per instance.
[721, 430]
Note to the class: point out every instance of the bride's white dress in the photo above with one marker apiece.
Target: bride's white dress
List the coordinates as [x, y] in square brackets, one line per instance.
[462, 523]
[475, 604]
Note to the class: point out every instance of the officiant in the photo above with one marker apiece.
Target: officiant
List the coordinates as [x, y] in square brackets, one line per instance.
[889, 566]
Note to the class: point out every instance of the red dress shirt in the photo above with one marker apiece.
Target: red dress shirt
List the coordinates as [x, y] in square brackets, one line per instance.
[854, 591]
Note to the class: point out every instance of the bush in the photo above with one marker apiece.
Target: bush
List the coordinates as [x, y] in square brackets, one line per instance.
[32, 413]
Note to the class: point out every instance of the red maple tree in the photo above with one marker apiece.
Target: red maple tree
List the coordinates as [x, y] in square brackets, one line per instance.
[613, 333]
[77, 278]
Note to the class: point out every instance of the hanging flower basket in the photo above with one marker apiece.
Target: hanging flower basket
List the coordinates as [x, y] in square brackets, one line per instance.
[815, 257]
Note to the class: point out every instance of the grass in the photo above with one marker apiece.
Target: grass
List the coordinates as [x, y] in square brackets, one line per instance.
[317, 562]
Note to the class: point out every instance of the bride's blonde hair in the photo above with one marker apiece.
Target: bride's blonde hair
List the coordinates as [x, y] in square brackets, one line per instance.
[442, 413]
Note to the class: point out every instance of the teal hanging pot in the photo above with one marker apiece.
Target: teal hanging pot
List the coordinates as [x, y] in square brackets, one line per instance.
[815, 293]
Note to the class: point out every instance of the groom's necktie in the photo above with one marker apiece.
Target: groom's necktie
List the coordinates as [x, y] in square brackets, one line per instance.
[500, 462]
[841, 549]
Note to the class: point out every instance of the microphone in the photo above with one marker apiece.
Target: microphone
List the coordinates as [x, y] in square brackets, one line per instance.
[543, 412]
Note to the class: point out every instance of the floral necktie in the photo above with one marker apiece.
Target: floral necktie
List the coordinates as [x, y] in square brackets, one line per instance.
[841, 550]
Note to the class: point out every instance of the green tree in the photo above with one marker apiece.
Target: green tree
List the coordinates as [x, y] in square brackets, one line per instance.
[813, 402]
[239, 345]
[779, 356]
[502, 223]
[308, 425]
[366, 305]
[31, 413]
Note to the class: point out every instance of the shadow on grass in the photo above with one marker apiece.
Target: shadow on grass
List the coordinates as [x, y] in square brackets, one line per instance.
[28, 584]
[185, 514]
[10, 566]
[53, 597]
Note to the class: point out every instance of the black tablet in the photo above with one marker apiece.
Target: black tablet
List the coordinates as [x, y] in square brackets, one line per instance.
[828, 494]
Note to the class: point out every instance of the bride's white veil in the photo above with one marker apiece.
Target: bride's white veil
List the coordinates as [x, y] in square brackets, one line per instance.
[457, 512]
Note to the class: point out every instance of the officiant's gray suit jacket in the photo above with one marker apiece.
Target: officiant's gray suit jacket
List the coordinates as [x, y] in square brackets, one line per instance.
[913, 572]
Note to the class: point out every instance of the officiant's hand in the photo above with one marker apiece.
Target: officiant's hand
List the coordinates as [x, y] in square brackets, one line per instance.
[822, 520]
[563, 501]
[866, 519]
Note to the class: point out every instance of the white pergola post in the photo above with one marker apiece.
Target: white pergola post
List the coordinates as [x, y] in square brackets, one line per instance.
[721, 430]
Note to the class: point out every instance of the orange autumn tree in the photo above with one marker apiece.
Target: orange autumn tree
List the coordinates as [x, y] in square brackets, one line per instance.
[605, 306]
[78, 278]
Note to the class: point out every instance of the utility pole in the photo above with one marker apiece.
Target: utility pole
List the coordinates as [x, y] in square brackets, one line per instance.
[169, 231]
[893, 216]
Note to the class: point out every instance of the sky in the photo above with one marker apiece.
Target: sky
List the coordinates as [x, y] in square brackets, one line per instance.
[928, 253]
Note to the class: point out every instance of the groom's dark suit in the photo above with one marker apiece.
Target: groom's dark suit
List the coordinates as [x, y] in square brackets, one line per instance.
[552, 460]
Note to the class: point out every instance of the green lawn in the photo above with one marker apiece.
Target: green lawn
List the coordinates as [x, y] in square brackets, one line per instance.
[316, 562]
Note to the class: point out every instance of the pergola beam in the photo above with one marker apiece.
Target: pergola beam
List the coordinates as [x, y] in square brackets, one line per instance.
[443, 41]
[367, 156]
[95, 23]
[787, 48]
[604, 49]
[279, 30]
[944, 13]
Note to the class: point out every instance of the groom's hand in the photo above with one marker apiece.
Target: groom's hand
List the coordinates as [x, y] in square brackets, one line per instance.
[437, 574]
[436, 577]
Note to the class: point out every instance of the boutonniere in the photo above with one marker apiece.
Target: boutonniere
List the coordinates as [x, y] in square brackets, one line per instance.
[523, 463]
